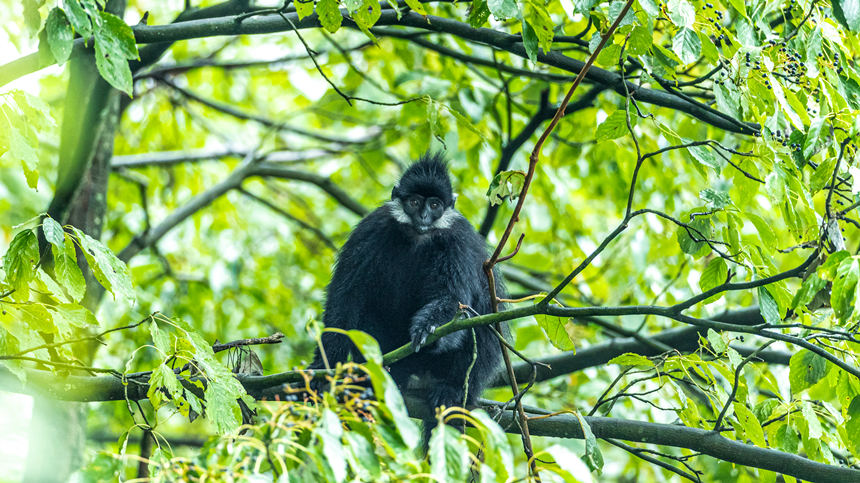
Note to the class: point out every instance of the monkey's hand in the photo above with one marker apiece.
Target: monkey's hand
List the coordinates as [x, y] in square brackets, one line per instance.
[425, 322]
[419, 333]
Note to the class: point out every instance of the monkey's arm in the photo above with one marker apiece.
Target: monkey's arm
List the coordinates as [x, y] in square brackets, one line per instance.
[438, 312]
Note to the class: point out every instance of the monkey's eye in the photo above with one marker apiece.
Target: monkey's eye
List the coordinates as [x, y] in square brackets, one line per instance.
[434, 205]
[414, 202]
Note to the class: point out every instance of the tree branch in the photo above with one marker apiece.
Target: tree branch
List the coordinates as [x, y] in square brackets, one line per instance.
[270, 23]
[111, 388]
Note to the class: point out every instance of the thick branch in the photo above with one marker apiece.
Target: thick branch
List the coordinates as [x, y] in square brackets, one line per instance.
[683, 339]
[172, 158]
[281, 126]
[234, 181]
[110, 388]
[323, 182]
[271, 23]
[200, 201]
[707, 442]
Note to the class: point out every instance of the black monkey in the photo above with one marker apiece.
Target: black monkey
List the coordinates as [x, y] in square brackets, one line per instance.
[401, 274]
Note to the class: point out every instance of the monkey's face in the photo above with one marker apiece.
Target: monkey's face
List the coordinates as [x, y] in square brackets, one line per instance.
[423, 212]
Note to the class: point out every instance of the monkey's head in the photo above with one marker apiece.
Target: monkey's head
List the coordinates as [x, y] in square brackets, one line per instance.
[423, 197]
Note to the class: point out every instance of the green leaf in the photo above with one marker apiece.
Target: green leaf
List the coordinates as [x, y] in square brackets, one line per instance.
[536, 15]
[366, 16]
[822, 174]
[805, 369]
[615, 8]
[506, 185]
[765, 232]
[559, 331]
[115, 46]
[751, 425]
[221, 407]
[717, 342]
[19, 263]
[704, 155]
[330, 431]
[813, 424]
[464, 122]
[364, 461]
[352, 5]
[385, 385]
[36, 317]
[498, 453]
[304, 8]
[32, 18]
[787, 439]
[570, 467]
[842, 295]
[768, 307]
[530, 41]
[53, 232]
[68, 273]
[728, 98]
[115, 31]
[847, 12]
[61, 36]
[162, 377]
[160, 339]
[329, 15]
[700, 228]
[19, 146]
[450, 460]
[109, 270]
[501, 9]
[478, 13]
[366, 344]
[609, 57]
[852, 425]
[810, 287]
[714, 274]
[640, 40]
[715, 199]
[828, 269]
[682, 13]
[593, 457]
[687, 46]
[76, 315]
[780, 95]
[78, 18]
[584, 6]
[613, 126]
[630, 359]
[709, 50]
[811, 138]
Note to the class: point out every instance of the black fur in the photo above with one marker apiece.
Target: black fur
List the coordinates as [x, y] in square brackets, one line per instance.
[398, 284]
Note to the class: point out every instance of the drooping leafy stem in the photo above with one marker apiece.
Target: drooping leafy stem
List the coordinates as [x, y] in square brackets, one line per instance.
[495, 257]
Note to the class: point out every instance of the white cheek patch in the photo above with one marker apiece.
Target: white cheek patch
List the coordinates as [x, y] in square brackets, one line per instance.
[447, 219]
[395, 207]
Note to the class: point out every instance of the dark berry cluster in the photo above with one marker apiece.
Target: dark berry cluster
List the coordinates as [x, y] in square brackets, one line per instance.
[716, 19]
[795, 68]
[783, 139]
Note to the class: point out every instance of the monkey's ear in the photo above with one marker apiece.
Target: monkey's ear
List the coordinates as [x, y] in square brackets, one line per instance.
[454, 198]
[394, 191]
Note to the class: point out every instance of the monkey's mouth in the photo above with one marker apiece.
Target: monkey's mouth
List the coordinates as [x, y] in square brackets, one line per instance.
[422, 228]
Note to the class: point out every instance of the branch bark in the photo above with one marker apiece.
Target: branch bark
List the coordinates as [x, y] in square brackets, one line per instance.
[271, 23]
[110, 388]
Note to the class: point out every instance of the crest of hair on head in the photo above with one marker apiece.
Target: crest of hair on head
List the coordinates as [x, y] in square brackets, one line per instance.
[427, 177]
